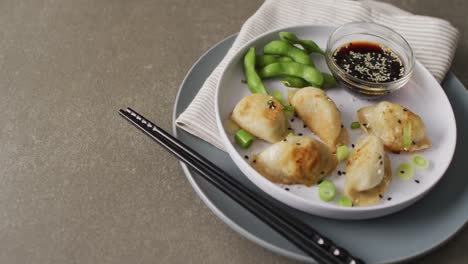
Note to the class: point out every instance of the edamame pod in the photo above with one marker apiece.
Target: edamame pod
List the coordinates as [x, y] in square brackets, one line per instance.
[253, 80]
[306, 72]
[308, 45]
[295, 82]
[328, 80]
[284, 48]
[263, 60]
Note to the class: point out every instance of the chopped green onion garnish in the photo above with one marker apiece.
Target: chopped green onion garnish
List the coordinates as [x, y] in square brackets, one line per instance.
[405, 171]
[355, 125]
[345, 201]
[420, 161]
[342, 153]
[326, 190]
[407, 135]
[243, 139]
[278, 96]
[291, 134]
[289, 111]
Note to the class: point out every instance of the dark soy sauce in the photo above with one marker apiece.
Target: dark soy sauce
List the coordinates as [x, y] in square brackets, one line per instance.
[369, 61]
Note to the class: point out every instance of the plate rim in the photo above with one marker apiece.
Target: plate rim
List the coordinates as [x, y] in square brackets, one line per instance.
[252, 237]
[373, 210]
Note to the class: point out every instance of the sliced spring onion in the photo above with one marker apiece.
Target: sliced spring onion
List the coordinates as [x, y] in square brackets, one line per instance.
[407, 140]
[243, 139]
[278, 96]
[345, 202]
[342, 153]
[289, 111]
[291, 134]
[355, 125]
[405, 171]
[327, 190]
[420, 161]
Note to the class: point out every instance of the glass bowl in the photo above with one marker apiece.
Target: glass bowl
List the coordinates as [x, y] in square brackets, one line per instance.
[369, 32]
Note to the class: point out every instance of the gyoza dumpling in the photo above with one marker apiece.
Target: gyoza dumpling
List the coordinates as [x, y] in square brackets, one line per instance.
[262, 116]
[368, 171]
[388, 121]
[320, 114]
[295, 160]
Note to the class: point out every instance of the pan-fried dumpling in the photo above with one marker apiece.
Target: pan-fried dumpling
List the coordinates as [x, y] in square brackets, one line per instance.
[392, 123]
[320, 114]
[368, 171]
[295, 160]
[262, 116]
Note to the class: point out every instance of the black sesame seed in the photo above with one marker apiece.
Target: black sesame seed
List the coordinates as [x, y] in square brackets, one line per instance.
[287, 189]
[289, 128]
[295, 114]
[352, 145]
[319, 182]
[404, 109]
[322, 172]
[364, 124]
[305, 126]
[285, 140]
[243, 81]
[342, 126]
[417, 181]
[254, 161]
[298, 144]
[344, 172]
[412, 142]
[380, 156]
[399, 121]
[300, 134]
[381, 162]
[339, 172]
[402, 171]
[292, 120]
[380, 196]
[246, 157]
[389, 198]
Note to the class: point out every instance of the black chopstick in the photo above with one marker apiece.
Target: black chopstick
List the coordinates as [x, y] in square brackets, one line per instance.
[302, 235]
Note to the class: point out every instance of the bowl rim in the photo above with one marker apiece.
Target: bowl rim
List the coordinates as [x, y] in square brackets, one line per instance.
[233, 153]
[329, 55]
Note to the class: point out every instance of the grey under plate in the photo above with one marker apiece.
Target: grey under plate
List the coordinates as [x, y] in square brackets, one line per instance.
[401, 236]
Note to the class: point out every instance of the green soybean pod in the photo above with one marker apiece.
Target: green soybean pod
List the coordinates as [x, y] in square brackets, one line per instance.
[295, 82]
[253, 80]
[263, 60]
[284, 48]
[328, 80]
[306, 72]
[308, 45]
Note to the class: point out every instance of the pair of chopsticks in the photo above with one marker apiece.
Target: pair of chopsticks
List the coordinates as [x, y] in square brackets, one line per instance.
[300, 234]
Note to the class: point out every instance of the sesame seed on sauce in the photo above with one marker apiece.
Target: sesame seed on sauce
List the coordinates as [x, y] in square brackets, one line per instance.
[389, 198]
[246, 157]
[352, 145]
[300, 134]
[271, 104]
[339, 172]
[404, 109]
[254, 161]
[381, 162]
[287, 189]
[298, 144]
[342, 126]
[369, 61]
[380, 196]
[416, 181]
[304, 126]
[402, 171]
[285, 139]
[322, 172]
[344, 172]
[289, 128]
[399, 121]
[292, 119]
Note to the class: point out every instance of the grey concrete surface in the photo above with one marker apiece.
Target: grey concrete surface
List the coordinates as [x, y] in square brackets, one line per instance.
[77, 185]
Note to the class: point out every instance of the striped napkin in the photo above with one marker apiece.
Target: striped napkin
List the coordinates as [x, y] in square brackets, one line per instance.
[433, 41]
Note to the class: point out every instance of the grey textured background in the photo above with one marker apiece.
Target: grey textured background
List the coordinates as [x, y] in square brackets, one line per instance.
[77, 185]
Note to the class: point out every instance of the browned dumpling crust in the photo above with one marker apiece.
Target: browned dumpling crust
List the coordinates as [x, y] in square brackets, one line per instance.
[295, 160]
[262, 116]
[320, 114]
[368, 172]
[388, 121]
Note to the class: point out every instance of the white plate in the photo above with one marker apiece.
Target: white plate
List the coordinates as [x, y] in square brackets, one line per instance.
[423, 95]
